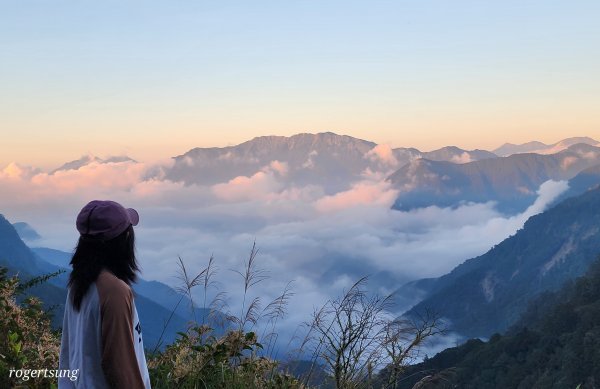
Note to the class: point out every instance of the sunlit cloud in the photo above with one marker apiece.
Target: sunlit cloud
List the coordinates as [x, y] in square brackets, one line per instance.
[383, 153]
[379, 194]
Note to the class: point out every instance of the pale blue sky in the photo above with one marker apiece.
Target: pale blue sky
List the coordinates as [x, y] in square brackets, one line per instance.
[155, 78]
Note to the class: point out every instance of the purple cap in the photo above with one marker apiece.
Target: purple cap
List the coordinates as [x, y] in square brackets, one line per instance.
[105, 219]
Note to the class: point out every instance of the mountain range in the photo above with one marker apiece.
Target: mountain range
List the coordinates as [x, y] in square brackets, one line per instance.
[488, 293]
[510, 175]
[512, 182]
[328, 159]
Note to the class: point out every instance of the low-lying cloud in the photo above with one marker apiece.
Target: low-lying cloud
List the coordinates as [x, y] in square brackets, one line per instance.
[321, 242]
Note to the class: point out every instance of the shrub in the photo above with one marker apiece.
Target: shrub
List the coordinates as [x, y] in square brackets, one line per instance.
[27, 340]
[199, 360]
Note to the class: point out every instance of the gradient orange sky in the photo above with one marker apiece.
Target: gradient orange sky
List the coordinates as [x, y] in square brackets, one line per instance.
[114, 78]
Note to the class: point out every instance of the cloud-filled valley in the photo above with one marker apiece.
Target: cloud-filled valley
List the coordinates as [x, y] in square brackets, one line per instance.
[321, 240]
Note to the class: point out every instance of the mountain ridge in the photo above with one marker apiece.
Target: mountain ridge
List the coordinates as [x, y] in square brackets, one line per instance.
[538, 147]
[555, 344]
[486, 294]
[88, 159]
[510, 181]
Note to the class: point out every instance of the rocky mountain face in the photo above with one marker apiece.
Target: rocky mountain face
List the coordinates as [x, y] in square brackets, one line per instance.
[488, 293]
[326, 159]
[302, 159]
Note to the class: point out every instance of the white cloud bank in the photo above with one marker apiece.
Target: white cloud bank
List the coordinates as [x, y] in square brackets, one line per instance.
[322, 242]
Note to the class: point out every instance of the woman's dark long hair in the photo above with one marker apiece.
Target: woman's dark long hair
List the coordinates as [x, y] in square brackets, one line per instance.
[92, 255]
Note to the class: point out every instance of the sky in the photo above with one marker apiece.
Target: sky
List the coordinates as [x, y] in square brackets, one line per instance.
[152, 79]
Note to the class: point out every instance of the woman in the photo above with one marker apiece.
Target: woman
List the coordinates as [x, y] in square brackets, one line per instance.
[102, 336]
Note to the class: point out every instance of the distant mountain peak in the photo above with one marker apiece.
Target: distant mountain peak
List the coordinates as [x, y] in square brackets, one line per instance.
[451, 148]
[90, 158]
[26, 232]
[527, 144]
[326, 159]
[266, 142]
[305, 137]
[578, 139]
[457, 155]
[542, 148]
[581, 146]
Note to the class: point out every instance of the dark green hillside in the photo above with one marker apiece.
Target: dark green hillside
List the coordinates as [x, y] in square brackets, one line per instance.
[487, 294]
[555, 345]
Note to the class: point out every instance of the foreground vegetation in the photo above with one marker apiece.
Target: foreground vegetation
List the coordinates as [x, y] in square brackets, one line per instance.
[199, 360]
[350, 342]
[346, 342]
[27, 340]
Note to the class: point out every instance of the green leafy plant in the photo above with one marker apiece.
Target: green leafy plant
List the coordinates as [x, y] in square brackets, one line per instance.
[27, 340]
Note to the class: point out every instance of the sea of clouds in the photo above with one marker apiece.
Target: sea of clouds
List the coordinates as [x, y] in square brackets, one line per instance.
[321, 242]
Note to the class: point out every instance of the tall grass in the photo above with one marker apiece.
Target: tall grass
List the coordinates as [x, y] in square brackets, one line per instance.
[199, 358]
[359, 343]
[352, 341]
